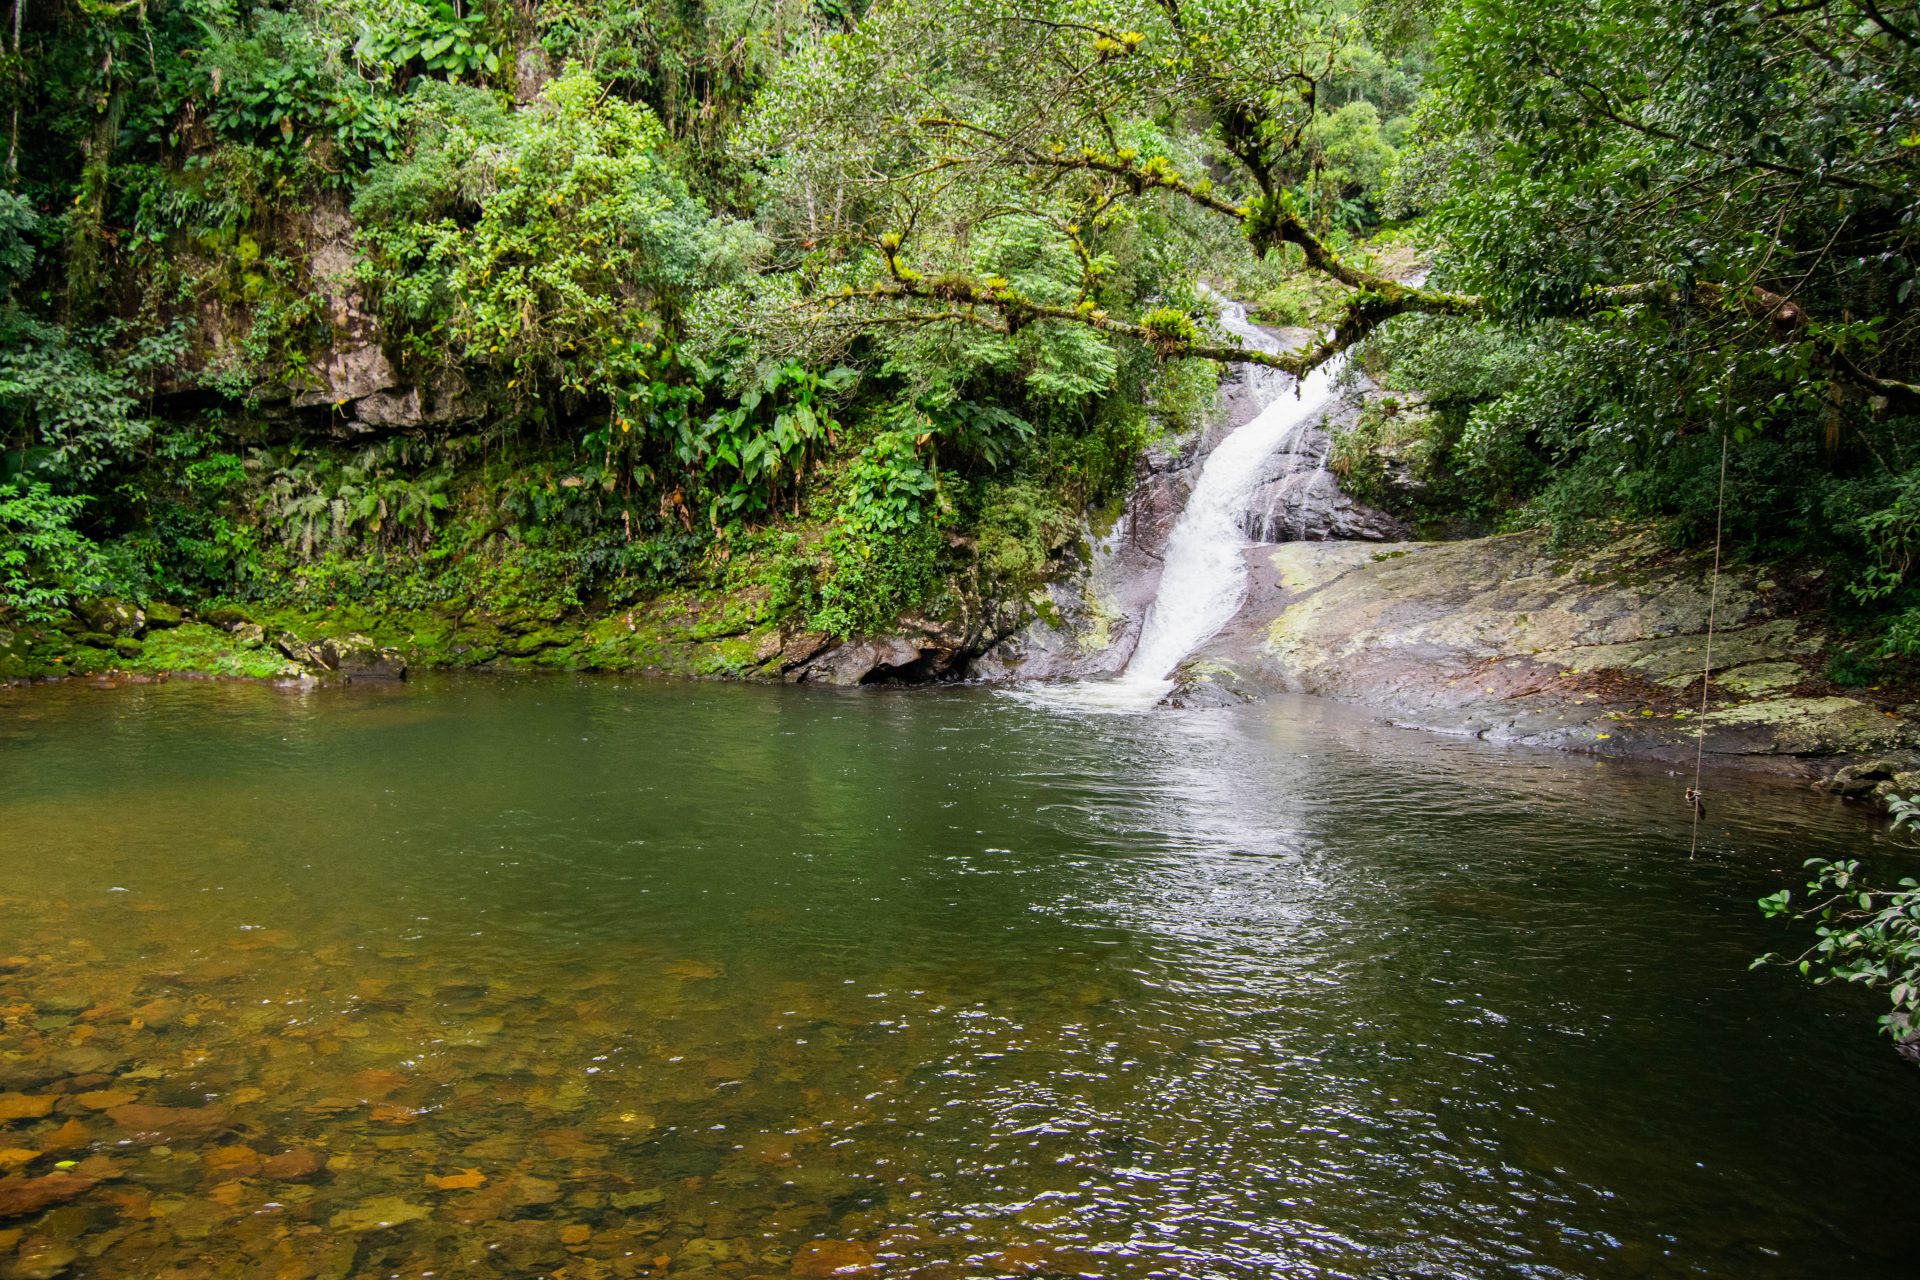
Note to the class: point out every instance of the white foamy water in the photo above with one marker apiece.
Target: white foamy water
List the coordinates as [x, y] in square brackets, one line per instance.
[1204, 581]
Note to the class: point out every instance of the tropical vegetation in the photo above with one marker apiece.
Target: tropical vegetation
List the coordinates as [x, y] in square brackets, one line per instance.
[804, 297]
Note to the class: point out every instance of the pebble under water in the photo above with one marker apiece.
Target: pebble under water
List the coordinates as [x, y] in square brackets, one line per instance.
[591, 978]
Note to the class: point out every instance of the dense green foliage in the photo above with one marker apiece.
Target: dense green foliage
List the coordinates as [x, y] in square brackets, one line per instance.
[1691, 220]
[1866, 935]
[849, 310]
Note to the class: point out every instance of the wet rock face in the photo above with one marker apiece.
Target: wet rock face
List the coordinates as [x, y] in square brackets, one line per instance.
[1300, 500]
[1087, 620]
[1505, 639]
[923, 651]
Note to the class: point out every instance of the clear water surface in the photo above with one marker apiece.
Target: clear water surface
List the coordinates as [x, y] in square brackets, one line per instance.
[585, 977]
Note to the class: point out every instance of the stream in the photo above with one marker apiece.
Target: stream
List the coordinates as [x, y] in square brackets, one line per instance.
[594, 977]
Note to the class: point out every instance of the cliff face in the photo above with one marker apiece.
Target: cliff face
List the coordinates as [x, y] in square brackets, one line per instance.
[347, 384]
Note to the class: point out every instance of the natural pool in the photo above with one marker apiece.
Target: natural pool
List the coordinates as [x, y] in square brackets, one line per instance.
[582, 977]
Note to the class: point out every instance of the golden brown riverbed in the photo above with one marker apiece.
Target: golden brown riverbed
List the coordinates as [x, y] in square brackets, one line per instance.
[582, 978]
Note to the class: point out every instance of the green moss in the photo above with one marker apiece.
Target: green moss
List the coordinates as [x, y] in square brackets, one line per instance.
[197, 647]
[733, 657]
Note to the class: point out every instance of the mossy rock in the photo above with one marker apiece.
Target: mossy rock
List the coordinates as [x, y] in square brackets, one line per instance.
[114, 616]
[88, 661]
[197, 647]
[734, 656]
[464, 655]
[532, 642]
[226, 615]
[16, 655]
[128, 647]
[161, 615]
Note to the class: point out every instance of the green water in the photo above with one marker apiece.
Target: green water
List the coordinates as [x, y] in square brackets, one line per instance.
[726, 981]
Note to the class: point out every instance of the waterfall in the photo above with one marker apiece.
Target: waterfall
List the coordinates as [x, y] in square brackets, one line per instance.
[1204, 579]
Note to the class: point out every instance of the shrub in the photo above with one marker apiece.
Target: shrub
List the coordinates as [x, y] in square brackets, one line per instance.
[1865, 935]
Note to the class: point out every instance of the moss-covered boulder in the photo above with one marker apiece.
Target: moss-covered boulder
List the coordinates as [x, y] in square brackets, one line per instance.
[357, 657]
[113, 616]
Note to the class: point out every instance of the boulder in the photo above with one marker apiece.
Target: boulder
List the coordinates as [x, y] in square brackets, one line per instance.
[1855, 781]
[357, 657]
[113, 616]
[161, 615]
[1904, 783]
[228, 616]
[856, 661]
[250, 635]
[297, 649]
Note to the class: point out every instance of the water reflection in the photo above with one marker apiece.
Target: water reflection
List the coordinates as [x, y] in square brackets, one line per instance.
[598, 978]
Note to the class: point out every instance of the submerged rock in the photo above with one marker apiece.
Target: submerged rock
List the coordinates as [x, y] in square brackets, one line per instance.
[298, 1165]
[20, 1197]
[171, 1124]
[377, 1215]
[20, 1106]
[43, 1258]
[832, 1258]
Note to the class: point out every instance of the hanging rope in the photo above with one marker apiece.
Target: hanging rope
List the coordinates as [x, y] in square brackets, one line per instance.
[1696, 798]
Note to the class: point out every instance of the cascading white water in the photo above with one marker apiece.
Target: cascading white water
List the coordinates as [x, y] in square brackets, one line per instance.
[1204, 580]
